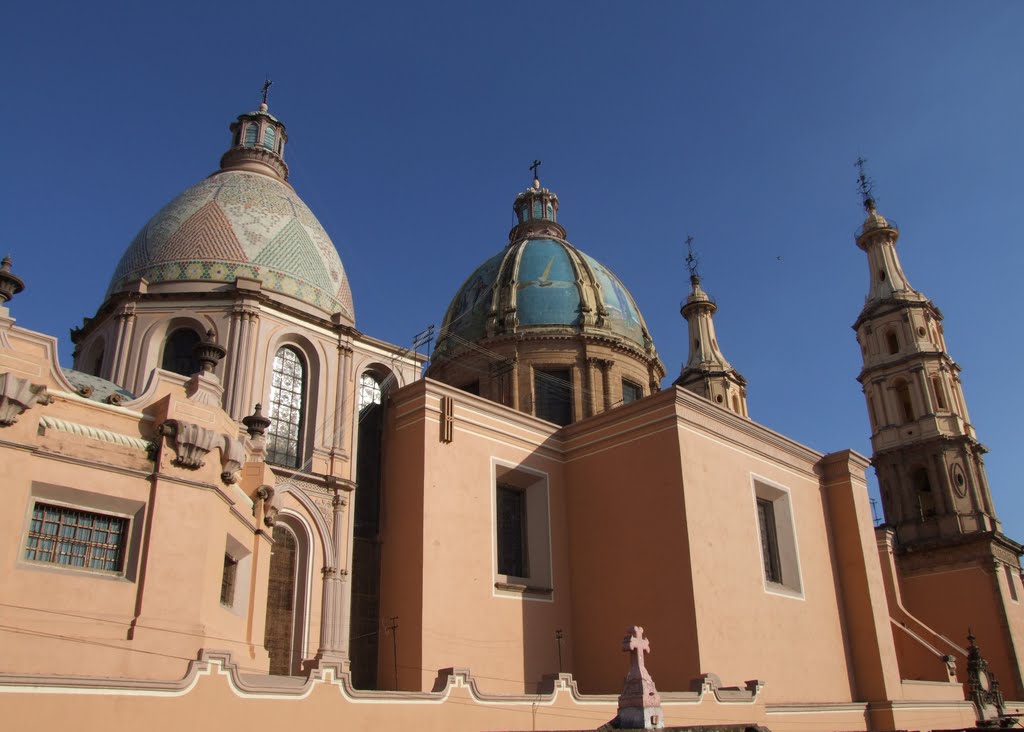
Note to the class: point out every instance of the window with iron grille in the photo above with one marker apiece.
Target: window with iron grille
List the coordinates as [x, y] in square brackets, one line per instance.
[287, 403]
[227, 581]
[75, 538]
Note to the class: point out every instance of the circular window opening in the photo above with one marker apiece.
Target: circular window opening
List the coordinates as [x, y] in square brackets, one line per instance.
[921, 331]
[718, 398]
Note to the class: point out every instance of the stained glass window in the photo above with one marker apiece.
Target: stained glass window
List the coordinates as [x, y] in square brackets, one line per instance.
[67, 536]
[369, 390]
[287, 402]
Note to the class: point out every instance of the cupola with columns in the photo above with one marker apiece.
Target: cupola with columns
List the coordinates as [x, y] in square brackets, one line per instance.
[706, 371]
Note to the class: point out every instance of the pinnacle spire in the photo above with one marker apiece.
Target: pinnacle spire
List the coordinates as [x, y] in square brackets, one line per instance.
[865, 185]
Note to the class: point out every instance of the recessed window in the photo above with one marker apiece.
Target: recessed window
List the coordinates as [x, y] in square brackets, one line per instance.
[552, 395]
[511, 521]
[472, 387]
[227, 582]
[892, 342]
[76, 538]
[179, 352]
[252, 130]
[522, 533]
[924, 493]
[940, 397]
[776, 531]
[769, 540]
[906, 406]
[631, 392]
[1010, 582]
[268, 137]
[287, 406]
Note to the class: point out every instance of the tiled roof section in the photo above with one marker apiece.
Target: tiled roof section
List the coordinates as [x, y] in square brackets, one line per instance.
[240, 224]
[94, 387]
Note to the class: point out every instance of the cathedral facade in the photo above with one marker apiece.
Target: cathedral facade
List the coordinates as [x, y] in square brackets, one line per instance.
[237, 508]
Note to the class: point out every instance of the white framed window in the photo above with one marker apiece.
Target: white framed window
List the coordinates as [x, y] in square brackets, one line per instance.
[521, 536]
[776, 538]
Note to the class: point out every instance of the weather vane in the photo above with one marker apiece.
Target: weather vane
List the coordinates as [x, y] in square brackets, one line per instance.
[691, 258]
[865, 185]
[267, 83]
[536, 164]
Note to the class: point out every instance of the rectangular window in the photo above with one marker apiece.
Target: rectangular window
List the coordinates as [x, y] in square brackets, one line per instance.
[1010, 581]
[227, 582]
[631, 392]
[511, 520]
[776, 534]
[522, 533]
[552, 395]
[76, 538]
[769, 540]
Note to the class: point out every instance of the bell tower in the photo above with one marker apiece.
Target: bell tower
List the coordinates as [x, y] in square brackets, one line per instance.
[956, 567]
[929, 462]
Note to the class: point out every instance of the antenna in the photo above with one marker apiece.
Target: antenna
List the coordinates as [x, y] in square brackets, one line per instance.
[865, 185]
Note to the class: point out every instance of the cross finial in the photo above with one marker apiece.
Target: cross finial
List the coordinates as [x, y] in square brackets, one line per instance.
[635, 644]
[536, 164]
[691, 259]
[865, 185]
[267, 83]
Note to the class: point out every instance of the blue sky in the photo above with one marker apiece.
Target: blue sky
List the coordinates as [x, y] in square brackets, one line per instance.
[412, 126]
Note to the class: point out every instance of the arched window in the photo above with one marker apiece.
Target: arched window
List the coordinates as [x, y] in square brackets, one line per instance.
[178, 352]
[906, 406]
[550, 212]
[924, 493]
[287, 408]
[940, 397]
[369, 390]
[538, 210]
[268, 137]
[251, 131]
[892, 342]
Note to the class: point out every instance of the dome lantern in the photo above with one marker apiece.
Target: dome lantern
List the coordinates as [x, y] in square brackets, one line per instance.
[536, 212]
[257, 142]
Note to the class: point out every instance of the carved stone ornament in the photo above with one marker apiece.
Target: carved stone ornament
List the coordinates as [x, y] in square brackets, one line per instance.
[983, 688]
[639, 702]
[266, 495]
[191, 442]
[232, 455]
[17, 395]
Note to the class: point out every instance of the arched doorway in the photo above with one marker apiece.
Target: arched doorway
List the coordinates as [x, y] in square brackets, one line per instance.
[288, 597]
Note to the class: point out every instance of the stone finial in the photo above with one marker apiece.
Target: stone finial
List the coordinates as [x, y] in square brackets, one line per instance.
[256, 424]
[639, 702]
[982, 685]
[208, 352]
[10, 285]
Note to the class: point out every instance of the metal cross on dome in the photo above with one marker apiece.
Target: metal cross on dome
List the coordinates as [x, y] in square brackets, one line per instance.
[267, 83]
[691, 258]
[536, 164]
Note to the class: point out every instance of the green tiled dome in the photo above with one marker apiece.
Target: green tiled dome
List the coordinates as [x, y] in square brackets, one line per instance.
[238, 223]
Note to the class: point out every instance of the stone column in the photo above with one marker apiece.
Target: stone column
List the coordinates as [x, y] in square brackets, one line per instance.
[926, 395]
[591, 365]
[333, 648]
[338, 445]
[606, 382]
[233, 371]
[125, 329]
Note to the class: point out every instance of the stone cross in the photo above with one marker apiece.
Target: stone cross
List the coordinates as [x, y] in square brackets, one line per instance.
[635, 643]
